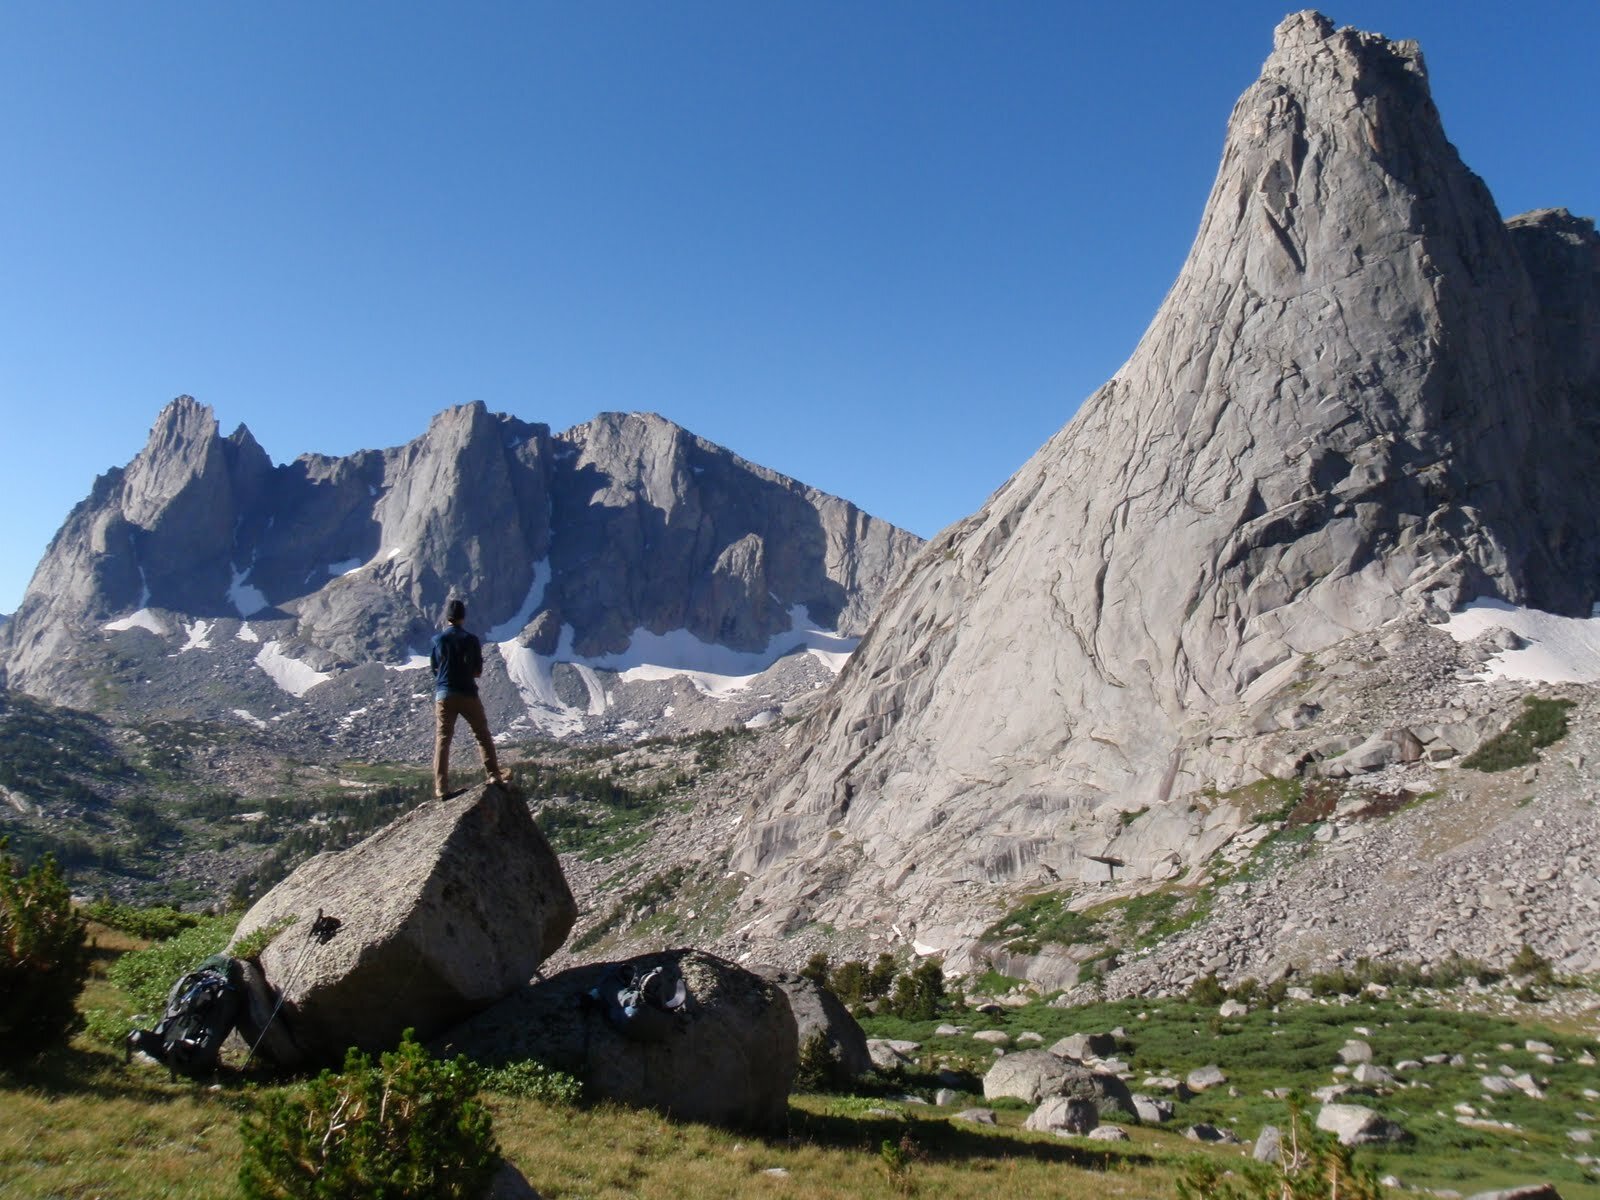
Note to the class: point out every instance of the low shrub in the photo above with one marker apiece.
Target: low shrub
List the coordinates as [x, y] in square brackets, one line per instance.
[148, 975]
[156, 922]
[44, 958]
[410, 1127]
[1541, 723]
[530, 1079]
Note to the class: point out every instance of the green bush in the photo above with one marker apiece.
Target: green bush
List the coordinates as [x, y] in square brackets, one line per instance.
[1207, 991]
[148, 975]
[156, 922]
[919, 994]
[410, 1127]
[848, 981]
[530, 1079]
[44, 958]
[1541, 723]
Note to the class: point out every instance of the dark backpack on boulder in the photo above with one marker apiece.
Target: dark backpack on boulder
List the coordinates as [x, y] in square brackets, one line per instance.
[202, 1009]
[644, 1006]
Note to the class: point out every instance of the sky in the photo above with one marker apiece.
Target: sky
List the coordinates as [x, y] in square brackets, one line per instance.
[886, 248]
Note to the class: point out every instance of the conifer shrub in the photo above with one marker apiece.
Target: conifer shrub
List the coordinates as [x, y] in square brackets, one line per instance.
[919, 994]
[410, 1127]
[44, 958]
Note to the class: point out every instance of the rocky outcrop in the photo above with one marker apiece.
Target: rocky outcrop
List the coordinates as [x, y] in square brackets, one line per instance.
[436, 916]
[1365, 398]
[1034, 1075]
[821, 1018]
[728, 1058]
[621, 543]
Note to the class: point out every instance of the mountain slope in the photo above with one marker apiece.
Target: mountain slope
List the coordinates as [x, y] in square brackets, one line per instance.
[203, 580]
[1366, 399]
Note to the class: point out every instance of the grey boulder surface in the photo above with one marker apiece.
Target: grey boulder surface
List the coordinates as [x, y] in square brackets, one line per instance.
[818, 1013]
[1365, 398]
[1036, 1075]
[1357, 1125]
[729, 1060]
[575, 548]
[1063, 1116]
[440, 914]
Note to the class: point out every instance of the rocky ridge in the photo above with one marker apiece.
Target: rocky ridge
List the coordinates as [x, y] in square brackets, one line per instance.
[1366, 401]
[636, 579]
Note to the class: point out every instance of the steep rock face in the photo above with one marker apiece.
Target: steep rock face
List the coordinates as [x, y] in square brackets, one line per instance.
[1364, 397]
[569, 547]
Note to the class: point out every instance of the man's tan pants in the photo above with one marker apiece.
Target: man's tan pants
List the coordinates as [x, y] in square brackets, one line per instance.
[447, 710]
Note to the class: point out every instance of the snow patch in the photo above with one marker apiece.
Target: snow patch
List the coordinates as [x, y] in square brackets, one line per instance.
[348, 567]
[509, 629]
[249, 718]
[1559, 650]
[762, 719]
[143, 619]
[597, 692]
[716, 670]
[415, 663]
[199, 636]
[246, 634]
[713, 670]
[246, 598]
[290, 674]
[531, 673]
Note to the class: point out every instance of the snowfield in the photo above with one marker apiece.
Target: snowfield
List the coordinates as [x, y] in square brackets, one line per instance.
[1559, 649]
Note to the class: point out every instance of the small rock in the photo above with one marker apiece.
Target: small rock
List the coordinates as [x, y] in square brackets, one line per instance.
[976, 1116]
[1355, 1051]
[1354, 1125]
[1269, 1145]
[1205, 1132]
[1064, 1116]
[1208, 1076]
[1152, 1111]
[994, 1037]
[1109, 1133]
[1371, 1074]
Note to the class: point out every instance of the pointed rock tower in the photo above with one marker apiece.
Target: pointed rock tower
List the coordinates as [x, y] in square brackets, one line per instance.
[1365, 396]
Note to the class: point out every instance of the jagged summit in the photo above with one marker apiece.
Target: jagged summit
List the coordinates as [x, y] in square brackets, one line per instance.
[1365, 397]
[569, 546]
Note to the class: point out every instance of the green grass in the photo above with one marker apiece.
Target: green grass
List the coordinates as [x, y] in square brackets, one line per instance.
[1041, 921]
[1297, 1047]
[81, 1124]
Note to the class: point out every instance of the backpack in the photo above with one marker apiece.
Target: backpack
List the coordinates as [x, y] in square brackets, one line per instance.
[202, 1009]
[643, 1005]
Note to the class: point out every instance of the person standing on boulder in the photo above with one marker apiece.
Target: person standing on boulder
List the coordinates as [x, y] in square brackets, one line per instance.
[457, 660]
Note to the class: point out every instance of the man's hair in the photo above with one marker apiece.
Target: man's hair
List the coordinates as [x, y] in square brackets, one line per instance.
[456, 610]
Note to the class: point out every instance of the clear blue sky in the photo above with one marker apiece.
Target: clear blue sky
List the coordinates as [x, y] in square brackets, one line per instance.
[886, 248]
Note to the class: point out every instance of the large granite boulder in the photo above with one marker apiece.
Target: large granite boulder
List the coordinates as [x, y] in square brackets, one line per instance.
[819, 1013]
[440, 914]
[1035, 1075]
[728, 1057]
